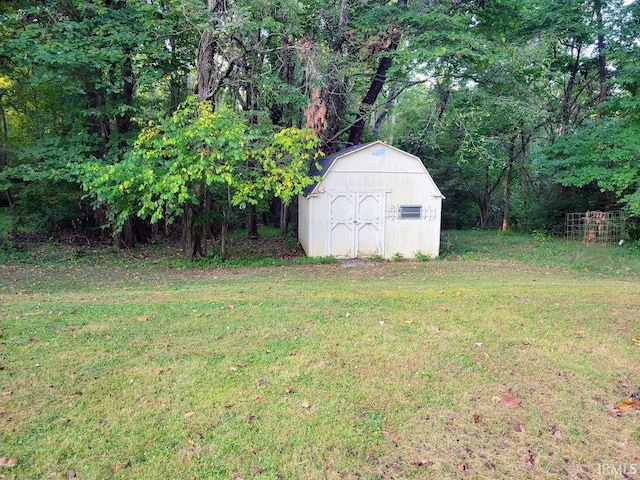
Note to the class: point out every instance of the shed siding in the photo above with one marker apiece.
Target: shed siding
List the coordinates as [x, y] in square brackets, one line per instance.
[303, 223]
[395, 176]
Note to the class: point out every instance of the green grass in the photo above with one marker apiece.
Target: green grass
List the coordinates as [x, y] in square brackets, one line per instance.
[542, 251]
[116, 366]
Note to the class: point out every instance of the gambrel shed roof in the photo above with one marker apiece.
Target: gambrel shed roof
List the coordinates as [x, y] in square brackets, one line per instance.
[327, 162]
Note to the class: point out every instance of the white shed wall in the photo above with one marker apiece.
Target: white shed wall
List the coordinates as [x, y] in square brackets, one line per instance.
[304, 229]
[388, 174]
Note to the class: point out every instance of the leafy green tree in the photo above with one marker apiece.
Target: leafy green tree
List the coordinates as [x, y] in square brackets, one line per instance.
[82, 73]
[193, 166]
[603, 150]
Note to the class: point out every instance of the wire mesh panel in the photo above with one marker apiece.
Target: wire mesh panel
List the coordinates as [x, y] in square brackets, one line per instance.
[595, 227]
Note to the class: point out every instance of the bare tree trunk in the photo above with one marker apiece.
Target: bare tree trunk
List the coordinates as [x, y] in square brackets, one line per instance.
[191, 238]
[126, 238]
[507, 186]
[123, 122]
[384, 115]
[224, 233]
[252, 222]
[226, 210]
[206, 50]
[335, 92]
[377, 82]
[192, 234]
[284, 219]
[568, 91]
[4, 154]
[379, 78]
[602, 62]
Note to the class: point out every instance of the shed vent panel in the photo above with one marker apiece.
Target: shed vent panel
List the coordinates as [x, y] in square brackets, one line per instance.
[410, 212]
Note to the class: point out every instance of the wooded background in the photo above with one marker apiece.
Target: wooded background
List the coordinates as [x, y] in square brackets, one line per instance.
[185, 117]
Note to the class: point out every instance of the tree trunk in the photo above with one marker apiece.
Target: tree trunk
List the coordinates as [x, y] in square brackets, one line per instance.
[377, 82]
[206, 50]
[226, 210]
[602, 62]
[191, 236]
[335, 93]
[507, 186]
[4, 154]
[483, 212]
[568, 92]
[355, 133]
[384, 115]
[123, 122]
[224, 232]
[126, 238]
[284, 219]
[252, 222]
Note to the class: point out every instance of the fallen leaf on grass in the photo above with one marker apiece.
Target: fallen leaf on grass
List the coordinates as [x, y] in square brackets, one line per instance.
[189, 414]
[518, 427]
[8, 393]
[613, 411]
[8, 462]
[463, 467]
[555, 432]
[528, 459]
[507, 400]
[371, 456]
[423, 463]
[255, 470]
[623, 383]
[305, 404]
[236, 475]
[143, 319]
[628, 404]
[476, 418]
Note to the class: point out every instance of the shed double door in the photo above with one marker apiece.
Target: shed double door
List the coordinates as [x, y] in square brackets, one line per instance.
[356, 224]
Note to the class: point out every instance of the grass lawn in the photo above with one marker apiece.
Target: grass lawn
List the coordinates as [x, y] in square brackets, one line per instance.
[504, 360]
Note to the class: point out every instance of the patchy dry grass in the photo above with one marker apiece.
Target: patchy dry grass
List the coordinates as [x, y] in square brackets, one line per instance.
[383, 370]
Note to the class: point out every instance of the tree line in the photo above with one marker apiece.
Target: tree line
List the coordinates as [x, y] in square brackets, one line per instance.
[186, 116]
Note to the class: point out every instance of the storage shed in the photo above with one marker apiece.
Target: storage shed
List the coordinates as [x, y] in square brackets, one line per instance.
[373, 200]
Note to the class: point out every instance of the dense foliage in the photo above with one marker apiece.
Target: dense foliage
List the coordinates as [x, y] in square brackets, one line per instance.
[521, 110]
